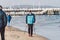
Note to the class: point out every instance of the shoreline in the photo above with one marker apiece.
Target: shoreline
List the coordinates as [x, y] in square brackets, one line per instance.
[12, 33]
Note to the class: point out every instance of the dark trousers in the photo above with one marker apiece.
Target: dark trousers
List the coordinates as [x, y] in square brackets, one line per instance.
[2, 31]
[30, 29]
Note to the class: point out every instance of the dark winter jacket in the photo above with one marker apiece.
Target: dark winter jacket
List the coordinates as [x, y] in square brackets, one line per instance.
[3, 19]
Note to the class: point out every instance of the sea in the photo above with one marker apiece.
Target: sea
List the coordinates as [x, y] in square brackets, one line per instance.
[46, 25]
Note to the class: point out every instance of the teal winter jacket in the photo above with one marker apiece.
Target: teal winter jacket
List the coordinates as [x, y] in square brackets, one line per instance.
[30, 18]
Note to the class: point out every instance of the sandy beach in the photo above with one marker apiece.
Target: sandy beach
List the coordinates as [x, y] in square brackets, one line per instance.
[15, 34]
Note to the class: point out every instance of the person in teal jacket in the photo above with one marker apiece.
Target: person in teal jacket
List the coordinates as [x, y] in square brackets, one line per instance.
[30, 20]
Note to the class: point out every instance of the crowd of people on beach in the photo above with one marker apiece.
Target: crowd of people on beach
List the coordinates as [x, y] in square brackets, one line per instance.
[4, 19]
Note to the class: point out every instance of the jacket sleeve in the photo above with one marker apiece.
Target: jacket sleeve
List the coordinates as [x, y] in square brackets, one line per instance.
[5, 19]
[34, 18]
[26, 19]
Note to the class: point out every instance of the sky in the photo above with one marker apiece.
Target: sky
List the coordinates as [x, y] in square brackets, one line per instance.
[30, 2]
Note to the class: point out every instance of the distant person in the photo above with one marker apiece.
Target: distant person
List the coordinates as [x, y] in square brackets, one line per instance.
[9, 19]
[30, 20]
[3, 23]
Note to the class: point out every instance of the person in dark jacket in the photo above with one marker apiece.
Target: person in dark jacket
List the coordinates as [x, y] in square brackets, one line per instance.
[3, 23]
[30, 20]
[9, 19]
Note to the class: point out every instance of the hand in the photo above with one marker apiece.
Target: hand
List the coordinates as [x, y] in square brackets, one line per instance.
[33, 23]
[26, 25]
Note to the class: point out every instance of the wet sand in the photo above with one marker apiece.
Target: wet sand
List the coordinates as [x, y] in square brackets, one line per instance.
[15, 34]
